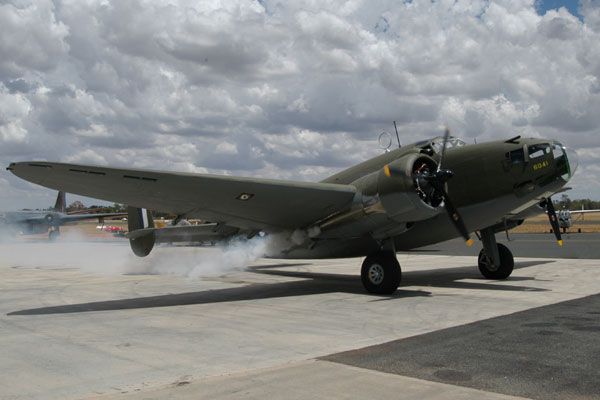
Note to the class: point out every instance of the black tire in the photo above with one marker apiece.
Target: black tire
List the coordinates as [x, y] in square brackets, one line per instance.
[53, 235]
[380, 273]
[507, 263]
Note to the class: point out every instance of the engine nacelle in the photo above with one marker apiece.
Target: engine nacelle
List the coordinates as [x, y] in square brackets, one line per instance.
[404, 197]
[34, 229]
[140, 219]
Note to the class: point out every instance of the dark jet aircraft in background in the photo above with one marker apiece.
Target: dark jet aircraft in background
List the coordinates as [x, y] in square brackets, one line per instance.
[414, 196]
[29, 222]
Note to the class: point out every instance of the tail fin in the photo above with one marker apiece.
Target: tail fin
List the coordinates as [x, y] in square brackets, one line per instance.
[61, 204]
[139, 218]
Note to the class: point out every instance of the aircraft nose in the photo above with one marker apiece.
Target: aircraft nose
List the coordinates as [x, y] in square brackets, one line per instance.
[572, 160]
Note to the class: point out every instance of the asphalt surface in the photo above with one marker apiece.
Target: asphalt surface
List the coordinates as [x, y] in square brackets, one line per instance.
[89, 320]
[576, 246]
[550, 352]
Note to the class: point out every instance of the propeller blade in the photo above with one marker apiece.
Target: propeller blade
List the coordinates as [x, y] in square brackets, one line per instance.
[443, 153]
[553, 221]
[437, 180]
[456, 218]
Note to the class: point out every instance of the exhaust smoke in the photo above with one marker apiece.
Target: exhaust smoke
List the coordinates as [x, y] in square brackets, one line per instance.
[76, 251]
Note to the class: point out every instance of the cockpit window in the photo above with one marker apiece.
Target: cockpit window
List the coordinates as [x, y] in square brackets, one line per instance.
[560, 158]
[453, 142]
[557, 150]
[539, 150]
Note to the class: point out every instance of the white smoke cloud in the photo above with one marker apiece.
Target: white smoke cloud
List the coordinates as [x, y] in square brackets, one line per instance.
[197, 262]
[75, 250]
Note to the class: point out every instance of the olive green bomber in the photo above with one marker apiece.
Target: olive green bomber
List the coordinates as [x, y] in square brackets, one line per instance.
[400, 200]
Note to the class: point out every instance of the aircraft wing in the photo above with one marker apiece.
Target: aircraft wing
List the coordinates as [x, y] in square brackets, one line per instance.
[583, 211]
[53, 217]
[247, 203]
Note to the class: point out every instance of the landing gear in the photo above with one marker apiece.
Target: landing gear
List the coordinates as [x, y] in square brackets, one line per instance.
[53, 234]
[490, 271]
[381, 273]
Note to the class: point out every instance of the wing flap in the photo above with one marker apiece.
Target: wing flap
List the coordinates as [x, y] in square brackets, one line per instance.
[248, 203]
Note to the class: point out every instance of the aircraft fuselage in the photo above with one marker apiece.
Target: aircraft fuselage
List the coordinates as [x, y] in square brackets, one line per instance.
[492, 181]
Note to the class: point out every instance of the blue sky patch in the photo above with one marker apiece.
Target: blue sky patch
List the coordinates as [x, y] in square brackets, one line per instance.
[571, 5]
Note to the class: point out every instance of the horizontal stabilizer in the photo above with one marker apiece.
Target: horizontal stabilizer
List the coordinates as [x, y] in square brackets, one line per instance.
[188, 233]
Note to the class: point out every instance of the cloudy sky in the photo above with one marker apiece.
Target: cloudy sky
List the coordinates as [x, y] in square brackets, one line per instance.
[285, 89]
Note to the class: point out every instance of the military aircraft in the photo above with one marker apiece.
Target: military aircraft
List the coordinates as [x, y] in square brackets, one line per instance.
[565, 217]
[416, 195]
[30, 222]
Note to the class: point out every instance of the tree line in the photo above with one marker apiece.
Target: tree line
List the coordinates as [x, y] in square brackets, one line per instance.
[79, 207]
[566, 203]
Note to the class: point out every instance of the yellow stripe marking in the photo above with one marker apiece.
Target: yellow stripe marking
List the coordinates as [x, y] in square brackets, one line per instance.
[386, 170]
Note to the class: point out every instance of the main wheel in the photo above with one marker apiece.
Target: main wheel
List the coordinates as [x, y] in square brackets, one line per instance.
[507, 264]
[380, 273]
[53, 235]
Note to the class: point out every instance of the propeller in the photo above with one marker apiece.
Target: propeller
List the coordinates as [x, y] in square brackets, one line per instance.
[444, 145]
[547, 203]
[431, 185]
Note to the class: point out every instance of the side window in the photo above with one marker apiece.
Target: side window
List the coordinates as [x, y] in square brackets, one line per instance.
[516, 156]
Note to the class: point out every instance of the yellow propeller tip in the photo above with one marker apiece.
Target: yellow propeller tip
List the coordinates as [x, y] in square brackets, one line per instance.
[386, 170]
[560, 242]
[470, 242]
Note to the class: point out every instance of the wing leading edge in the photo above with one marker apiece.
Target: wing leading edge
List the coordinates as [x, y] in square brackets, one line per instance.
[248, 203]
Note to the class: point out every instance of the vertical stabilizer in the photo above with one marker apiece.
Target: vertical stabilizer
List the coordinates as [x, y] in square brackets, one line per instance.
[61, 204]
[139, 218]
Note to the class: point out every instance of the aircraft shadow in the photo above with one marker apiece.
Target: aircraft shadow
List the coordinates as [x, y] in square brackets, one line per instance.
[312, 283]
[453, 277]
[447, 278]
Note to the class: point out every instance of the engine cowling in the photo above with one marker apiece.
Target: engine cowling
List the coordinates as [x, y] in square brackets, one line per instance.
[404, 196]
[139, 219]
[34, 229]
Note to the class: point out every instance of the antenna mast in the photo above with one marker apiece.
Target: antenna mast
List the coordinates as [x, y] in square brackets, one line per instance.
[397, 136]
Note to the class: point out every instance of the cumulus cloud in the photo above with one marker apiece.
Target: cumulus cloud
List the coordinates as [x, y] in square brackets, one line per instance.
[14, 108]
[31, 38]
[286, 89]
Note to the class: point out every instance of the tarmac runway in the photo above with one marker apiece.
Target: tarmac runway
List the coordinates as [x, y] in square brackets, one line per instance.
[294, 329]
[576, 245]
